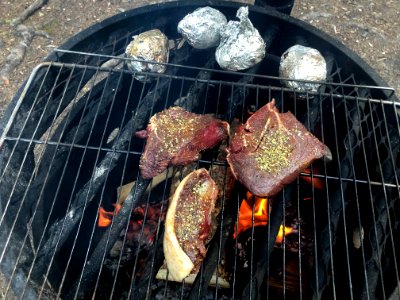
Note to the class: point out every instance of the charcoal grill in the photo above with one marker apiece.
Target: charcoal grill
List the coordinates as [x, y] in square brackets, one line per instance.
[68, 143]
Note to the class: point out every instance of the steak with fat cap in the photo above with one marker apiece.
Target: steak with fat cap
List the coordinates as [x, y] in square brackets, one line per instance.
[188, 223]
[271, 149]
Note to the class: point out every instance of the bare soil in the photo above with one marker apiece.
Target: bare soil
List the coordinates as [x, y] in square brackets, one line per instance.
[368, 27]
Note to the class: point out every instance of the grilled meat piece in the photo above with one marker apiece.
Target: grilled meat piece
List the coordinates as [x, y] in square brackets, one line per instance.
[188, 223]
[271, 149]
[176, 136]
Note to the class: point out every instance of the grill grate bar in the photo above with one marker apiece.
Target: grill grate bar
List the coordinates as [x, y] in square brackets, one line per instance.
[210, 95]
[352, 155]
[62, 228]
[97, 172]
[389, 90]
[21, 208]
[37, 212]
[368, 286]
[384, 220]
[138, 153]
[4, 174]
[145, 108]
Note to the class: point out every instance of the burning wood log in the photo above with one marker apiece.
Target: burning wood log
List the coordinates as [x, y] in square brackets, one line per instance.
[124, 190]
[95, 261]
[61, 229]
[110, 237]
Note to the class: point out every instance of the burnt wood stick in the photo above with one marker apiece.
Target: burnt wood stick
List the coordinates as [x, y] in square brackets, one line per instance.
[139, 289]
[54, 159]
[46, 93]
[60, 230]
[120, 222]
[192, 99]
[95, 263]
[253, 288]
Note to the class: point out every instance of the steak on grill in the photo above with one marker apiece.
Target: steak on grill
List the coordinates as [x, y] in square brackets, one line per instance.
[271, 149]
[176, 136]
[188, 223]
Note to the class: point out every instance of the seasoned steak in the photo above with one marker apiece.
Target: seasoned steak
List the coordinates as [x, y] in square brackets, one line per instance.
[188, 223]
[175, 136]
[271, 149]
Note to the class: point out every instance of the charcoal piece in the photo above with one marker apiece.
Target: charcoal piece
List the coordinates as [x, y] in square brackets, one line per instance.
[271, 149]
[176, 137]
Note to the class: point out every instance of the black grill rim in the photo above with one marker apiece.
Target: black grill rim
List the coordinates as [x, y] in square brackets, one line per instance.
[348, 55]
[79, 41]
[177, 77]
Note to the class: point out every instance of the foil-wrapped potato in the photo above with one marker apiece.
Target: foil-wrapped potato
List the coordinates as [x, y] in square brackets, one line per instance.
[241, 44]
[152, 46]
[302, 63]
[201, 28]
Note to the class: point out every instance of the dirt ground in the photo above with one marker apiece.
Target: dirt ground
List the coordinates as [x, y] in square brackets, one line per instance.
[368, 27]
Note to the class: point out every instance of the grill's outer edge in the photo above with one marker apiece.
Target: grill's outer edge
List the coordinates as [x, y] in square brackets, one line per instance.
[75, 42]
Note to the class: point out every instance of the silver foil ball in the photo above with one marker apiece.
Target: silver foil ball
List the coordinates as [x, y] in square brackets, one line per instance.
[152, 46]
[302, 63]
[241, 44]
[201, 28]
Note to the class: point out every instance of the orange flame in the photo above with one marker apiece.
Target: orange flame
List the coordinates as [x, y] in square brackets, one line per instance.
[246, 212]
[260, 216]
[105, 217]
[283, 231]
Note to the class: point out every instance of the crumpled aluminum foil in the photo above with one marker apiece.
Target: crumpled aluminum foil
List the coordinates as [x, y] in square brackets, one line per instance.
[302, 63]
[202, 27]
[241, 44]
[151, 46]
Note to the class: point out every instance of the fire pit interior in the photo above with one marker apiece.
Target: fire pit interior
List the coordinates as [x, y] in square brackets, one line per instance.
[77, 220]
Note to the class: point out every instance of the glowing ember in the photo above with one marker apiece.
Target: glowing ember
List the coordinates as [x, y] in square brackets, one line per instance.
[260, 216]
[283, 231]
[246, 212]
[317, 182]
[105, 217]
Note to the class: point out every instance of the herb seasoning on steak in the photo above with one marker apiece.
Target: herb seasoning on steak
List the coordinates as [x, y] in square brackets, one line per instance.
[188, 223]
[176, 136]
[271, 149]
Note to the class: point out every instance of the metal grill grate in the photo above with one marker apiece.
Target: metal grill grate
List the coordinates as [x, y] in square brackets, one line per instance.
[70, 144]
